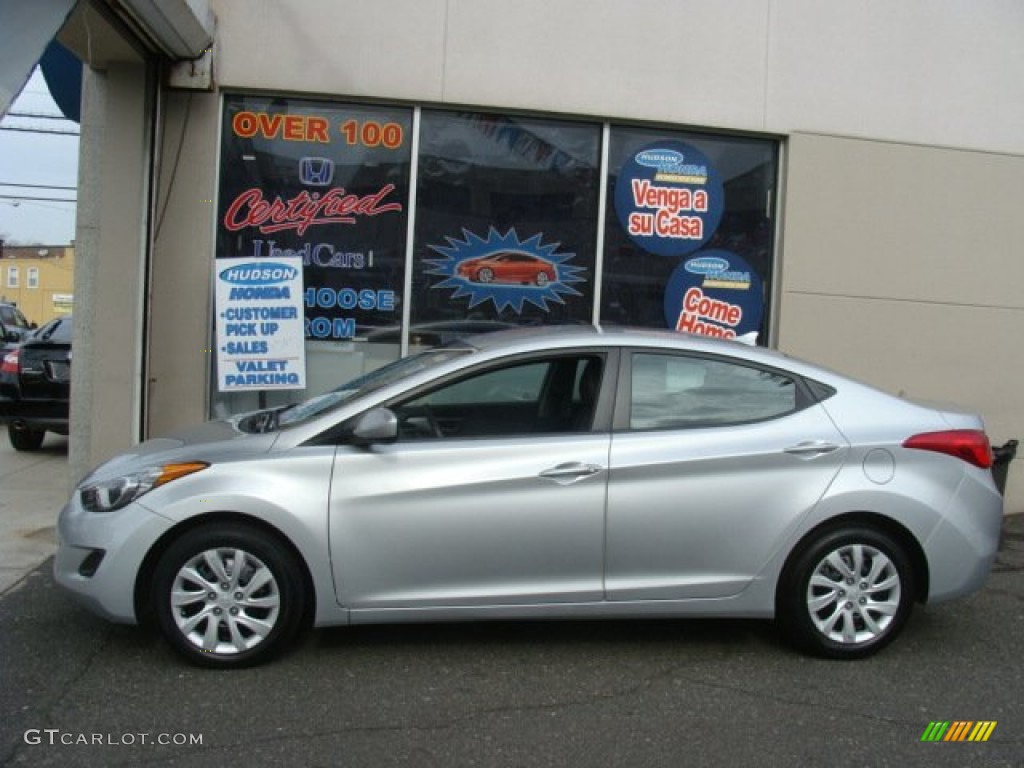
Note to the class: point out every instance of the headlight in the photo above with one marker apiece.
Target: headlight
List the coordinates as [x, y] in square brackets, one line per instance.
[108, 495]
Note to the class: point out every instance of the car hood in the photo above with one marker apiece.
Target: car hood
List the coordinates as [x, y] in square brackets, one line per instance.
[211, 442]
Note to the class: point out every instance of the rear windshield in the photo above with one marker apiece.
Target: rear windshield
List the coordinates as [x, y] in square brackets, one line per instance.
[58, 331]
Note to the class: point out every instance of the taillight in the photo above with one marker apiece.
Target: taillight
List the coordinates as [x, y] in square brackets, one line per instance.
[10, 363]
[971, 445]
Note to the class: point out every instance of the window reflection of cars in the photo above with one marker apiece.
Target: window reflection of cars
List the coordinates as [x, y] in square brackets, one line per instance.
[508, 267]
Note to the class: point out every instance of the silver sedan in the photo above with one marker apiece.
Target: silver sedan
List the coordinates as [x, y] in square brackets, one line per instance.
[556, 473]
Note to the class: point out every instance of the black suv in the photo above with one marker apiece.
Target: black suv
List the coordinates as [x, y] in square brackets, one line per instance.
[35, 385]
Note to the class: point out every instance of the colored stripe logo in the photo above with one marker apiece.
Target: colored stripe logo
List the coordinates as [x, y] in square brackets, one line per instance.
[958, 730]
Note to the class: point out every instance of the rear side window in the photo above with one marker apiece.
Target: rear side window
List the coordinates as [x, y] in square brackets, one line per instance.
[678, 392]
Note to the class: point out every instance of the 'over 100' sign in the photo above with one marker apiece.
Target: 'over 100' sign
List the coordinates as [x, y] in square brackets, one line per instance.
[259, 324]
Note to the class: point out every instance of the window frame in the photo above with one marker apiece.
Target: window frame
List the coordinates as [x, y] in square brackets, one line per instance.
[32, 278]
[621, 420]
[12, 276]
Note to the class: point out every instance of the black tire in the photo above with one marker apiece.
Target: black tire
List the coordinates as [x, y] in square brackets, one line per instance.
[485, 275]
[241, 618]
[838, 616]
[25, 438]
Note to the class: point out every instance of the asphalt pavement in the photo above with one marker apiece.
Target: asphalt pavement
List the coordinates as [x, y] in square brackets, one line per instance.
[78, 691]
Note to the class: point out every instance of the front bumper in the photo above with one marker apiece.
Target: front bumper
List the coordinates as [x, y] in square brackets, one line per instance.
[99, 555]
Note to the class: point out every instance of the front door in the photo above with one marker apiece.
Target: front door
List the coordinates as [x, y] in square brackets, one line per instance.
[494, 494]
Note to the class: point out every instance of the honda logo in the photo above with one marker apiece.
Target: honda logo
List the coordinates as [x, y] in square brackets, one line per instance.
[316, 171]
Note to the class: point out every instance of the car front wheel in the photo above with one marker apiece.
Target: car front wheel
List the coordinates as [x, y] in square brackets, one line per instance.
[24, 438]
[847, 594]
[228, 596]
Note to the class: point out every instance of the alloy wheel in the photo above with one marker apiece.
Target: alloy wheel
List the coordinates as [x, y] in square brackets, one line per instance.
[853, 594]
[225, 601]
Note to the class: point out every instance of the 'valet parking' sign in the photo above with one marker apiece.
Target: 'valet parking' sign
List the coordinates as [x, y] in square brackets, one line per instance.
[260, 342]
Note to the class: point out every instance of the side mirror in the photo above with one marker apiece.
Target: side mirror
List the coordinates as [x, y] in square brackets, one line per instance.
[33, 326]
[379, 425]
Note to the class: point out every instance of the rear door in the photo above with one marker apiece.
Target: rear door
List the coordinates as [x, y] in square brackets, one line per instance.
[713, 464]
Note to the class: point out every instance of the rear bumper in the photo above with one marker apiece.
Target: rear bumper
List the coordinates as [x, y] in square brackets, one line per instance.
[35, 414]
[962, 548]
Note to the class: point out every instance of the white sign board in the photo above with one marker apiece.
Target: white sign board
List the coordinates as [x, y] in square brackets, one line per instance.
[260, 324]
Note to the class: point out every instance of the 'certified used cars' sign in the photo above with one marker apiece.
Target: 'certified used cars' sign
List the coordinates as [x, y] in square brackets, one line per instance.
[259, 324]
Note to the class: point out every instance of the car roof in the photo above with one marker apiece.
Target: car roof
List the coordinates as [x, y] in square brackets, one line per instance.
[534, 338]
[609, 335]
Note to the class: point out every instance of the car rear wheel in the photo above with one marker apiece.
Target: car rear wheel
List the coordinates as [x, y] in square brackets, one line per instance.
[25, 438]
[847, 594]
[228, 596]
[485, 275]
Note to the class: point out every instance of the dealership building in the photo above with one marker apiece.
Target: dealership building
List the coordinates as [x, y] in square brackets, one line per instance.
[276, 196]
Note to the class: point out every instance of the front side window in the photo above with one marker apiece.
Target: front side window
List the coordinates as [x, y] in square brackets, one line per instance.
[679, 392]
[549, 396]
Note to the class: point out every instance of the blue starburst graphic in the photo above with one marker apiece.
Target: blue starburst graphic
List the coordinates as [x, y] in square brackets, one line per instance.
[505, 270]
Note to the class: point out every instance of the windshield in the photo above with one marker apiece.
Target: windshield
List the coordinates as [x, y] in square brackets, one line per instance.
[358, 387]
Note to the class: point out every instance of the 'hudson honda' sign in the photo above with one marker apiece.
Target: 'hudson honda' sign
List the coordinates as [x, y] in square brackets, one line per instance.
[259, 324]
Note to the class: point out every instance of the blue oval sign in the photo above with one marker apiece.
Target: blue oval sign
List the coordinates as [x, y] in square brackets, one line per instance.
[706, 265]
[669, 198]
[659, 158]
[259, 273]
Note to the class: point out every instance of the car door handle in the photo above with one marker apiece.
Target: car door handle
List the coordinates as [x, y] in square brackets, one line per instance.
[811, 448]
[571, 472]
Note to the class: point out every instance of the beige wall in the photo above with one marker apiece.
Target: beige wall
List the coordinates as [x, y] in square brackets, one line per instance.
[943, 72]
[901, 266]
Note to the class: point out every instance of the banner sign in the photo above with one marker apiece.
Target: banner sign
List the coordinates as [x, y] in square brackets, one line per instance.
[325, 184]
[715, 293]
[669, 198]
[259, 324]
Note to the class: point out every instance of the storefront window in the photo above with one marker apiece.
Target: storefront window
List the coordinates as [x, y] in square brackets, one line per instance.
[688, 233]
[314, 209]
[325, 186]
[506, 223]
